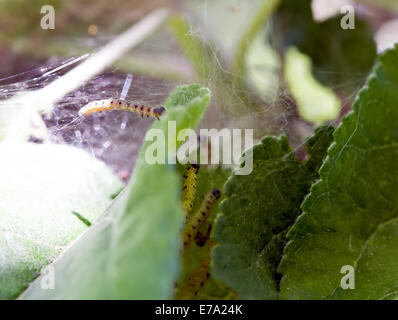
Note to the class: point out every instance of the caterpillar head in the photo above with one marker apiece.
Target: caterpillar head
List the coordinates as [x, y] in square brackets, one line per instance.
[158, 111]
[195, 166]
[216, 193]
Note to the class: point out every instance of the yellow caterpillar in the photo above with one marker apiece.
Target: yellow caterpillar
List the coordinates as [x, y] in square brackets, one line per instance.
[197, 220]
[117, 104]
[190, 289]
[201, 239]
[195, 282]
[189, 188]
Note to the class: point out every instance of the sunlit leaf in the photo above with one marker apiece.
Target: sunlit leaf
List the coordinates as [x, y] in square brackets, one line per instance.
[350, 215]
[133, 251]
[315, 102]
[41, 186]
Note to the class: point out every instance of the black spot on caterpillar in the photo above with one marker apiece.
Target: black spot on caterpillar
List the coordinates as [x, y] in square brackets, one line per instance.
[201, 238]
[189, 289]
[195, 282]
[197, 220]
[189, 188]
[116, 104]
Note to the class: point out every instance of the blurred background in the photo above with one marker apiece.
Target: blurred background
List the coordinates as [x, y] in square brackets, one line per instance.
[274, 66]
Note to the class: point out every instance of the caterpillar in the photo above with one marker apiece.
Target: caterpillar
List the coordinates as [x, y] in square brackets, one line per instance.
[197, 220]
[189, 188]
[117, 104]
[201, 239]
[195, 282]
[190, 289]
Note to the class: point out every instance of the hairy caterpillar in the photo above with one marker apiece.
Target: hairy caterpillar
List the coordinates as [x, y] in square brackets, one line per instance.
[197, 220]
[189, 188]
[117, 104]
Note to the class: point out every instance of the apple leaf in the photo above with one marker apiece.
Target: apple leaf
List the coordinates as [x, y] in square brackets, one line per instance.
[350, 217]
[41, 186]
[258, 210]
[133, 251]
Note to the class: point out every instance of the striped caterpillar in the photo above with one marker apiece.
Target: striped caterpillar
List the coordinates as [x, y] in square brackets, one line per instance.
[117, 104]
[189, 188]
[197, 220]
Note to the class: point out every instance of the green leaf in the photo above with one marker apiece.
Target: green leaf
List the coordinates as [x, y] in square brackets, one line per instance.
[316, 146]
[315, 102]
[41, 186]
[259, 209]
[132, 252]
[349, 218]
[341, 58]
